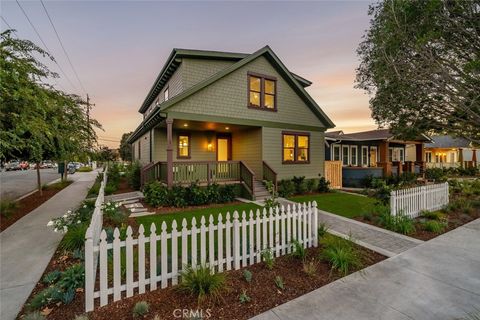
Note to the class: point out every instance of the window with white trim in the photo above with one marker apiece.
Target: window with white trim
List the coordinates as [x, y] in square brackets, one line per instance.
[353, 155]
[365, 156]
[336, 156]
[345, 155]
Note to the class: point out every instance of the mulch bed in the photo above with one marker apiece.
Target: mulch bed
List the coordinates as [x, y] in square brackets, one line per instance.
[262, 290]
[27, 204]
[167, 210]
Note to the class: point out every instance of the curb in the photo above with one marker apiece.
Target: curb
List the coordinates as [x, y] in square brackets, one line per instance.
[35, 190]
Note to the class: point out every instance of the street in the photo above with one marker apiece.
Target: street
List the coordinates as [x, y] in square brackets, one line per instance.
[14, 184]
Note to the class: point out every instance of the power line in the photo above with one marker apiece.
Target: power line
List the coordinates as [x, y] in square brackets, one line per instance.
[61, 44]
[45, 45]
[9, 27]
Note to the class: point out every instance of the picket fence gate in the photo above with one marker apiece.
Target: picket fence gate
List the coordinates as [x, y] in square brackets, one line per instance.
[224, 245]
[412, 201]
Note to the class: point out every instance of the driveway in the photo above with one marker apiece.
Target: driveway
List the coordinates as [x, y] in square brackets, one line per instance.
[15, 184]
[437, 280]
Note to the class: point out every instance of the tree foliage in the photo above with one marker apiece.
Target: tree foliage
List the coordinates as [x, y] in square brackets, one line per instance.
[125, 147]
[421, 62]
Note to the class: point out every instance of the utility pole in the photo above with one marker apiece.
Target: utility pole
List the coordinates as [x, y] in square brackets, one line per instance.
[88, 127]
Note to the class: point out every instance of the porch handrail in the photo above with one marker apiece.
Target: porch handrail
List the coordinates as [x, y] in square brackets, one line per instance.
[247, 176]
[146, 174]
[269, 174]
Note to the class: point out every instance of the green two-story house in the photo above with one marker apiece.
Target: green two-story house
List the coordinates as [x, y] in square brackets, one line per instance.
[229, 118]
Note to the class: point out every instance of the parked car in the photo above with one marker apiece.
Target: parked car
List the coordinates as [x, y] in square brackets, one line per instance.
[72, 168]
[24, 165]
[13, 165]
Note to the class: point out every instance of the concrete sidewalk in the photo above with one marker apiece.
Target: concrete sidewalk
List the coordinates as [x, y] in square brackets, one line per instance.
[439, 279]
[27, 246]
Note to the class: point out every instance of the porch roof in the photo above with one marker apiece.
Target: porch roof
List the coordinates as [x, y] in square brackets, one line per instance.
[372, 135]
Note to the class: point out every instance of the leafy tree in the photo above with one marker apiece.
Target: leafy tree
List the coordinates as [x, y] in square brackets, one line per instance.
[106, 154]
[37, 121]
[421, 61]
[125, 147]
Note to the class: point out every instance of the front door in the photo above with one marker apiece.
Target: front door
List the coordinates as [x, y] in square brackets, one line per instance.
[224, 147]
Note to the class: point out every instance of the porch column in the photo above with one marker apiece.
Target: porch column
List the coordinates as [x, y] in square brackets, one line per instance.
[460, 156]
[169, 152]
[420, 157]
[384, 161]
[474, 157]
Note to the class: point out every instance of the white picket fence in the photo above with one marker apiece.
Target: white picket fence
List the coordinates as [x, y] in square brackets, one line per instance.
[92, 237]
[223, 244]
[412, 201]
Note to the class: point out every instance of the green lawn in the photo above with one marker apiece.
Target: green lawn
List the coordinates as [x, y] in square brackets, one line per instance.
[198, 213]
[343, 204]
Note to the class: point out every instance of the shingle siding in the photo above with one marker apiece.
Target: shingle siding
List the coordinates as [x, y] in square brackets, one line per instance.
[144, 144]
[196, 70]
[247, 147]
[227, 97]
[175, 86]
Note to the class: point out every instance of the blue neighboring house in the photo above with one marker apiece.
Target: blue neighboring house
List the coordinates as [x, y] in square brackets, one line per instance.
[375, 153]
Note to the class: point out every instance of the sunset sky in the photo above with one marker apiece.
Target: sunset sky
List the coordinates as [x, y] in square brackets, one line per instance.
[119, 47]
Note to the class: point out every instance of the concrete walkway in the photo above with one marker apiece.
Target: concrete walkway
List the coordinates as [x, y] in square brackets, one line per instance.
[436, 280]
[27, 246]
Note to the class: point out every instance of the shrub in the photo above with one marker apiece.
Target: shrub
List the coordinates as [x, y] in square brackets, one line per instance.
[84, 169]
[300, 185]
[271, 202]
[195, 195]
[7, 207]
[310, 268]
[134, 172]
[244, 298]
[436, 174]
[43, 298]
[110, 188]
[435, 215]
[286, 188]
[156, 194]
[311, 185]
[400, 223]
[279, 282]
[113, 213]
[74, 238]
[268, 259]
[140, 309]
[202, 282]
[340, 254]
[51, 277]
[36, 315]
[323, 185]
[177, 197]
[81, 215]
[214, 193]
[434, 226]
[299, 251]
[72, 278]
[382, 191]
[227, 193]
[247, 275]
[322, 230]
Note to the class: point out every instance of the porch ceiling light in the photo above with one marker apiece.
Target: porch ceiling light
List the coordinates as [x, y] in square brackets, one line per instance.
[227, 128]
[185, 124]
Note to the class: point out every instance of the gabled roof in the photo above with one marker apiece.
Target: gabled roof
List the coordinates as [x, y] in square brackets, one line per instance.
[174, 60]
[448, 142]
[371, 135]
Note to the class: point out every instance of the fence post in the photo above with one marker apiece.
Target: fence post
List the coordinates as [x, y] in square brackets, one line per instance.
[89, 265]
[315, 224]
[236, 242]
[393, 209]
[424, 197]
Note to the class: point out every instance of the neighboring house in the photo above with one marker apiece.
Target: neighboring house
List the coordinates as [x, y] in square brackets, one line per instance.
[447, 152]
[375, 153]
[229, 118]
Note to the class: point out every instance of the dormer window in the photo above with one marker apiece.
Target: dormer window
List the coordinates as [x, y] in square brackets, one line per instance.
[262, 92]
[165, 94]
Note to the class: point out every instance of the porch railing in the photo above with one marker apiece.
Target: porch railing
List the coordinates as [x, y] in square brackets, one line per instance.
[269, 174]
[248, 177]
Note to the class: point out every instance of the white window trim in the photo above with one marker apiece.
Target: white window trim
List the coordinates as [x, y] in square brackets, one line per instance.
[356, 155]
[339, 152]
[367, 158]
[348, 157]
[401, 155]
[390, 149]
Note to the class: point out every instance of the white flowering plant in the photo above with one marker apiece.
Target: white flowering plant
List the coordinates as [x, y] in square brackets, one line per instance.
[111, 208]
[72, 218]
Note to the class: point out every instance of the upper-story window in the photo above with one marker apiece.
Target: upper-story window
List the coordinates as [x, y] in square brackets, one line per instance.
[262, 91]
[165, 94]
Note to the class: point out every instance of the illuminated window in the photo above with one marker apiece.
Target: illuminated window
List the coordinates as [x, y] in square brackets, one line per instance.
[296, 148]
[183, 146]
[262, 92]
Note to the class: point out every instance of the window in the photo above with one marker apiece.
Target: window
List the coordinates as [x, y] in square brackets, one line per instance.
[353, 155]
[401, 154]
[183, 150]
[373, 156]
[365, 156]
[345, 155]
[390, 154]
[428, 156]
[262, 92]
[336, 153]
[165, 94]
[296, 147]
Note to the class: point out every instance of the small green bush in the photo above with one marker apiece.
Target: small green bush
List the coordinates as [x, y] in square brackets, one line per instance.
[323, 185]
[84, 169]
[43, 298]
[400, 223]
[140, 309]
[244, 298]
[300, 185]
[227, 193]
[74, 238]
[436, 174]
[298, 251]
[435, 215]
[51, 277]
[340, 254]
[72, 278]
[110, 188]
[133, 174]
[434, 226]
[286, 188]
[268, 259]
[177, 197]
[322, 230]
[311, 185]
[279, 282]
[247, 275]
[36, 315]
[202, 282]
[310, 268]
[156, 194]
[7, 207]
